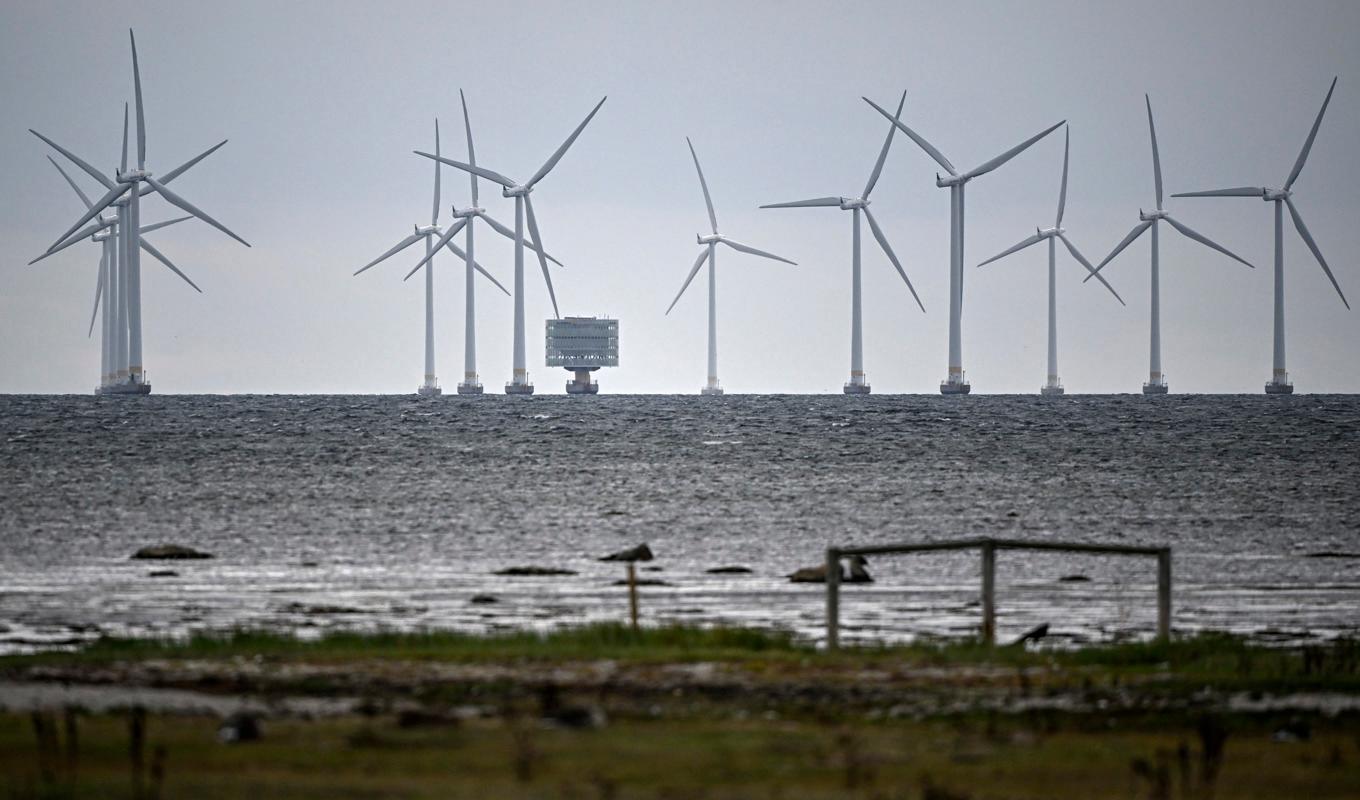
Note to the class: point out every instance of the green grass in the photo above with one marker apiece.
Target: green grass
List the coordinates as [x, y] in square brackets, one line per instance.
[1221, 659]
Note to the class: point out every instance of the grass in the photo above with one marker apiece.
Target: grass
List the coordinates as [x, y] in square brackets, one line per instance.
[362, 757]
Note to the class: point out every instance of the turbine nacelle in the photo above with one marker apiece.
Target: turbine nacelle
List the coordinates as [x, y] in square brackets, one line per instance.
[1151, 216]
[427, 230]
[1049, 233]
[1271, 195]
[516, 191]
[132, 175]
[950, 180]
[467, 213]
[711, 238]
[853, 203]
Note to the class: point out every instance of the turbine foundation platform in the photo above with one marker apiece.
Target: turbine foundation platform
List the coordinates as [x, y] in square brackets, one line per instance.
[129, 387]
[429, 391]
[1279, 388]
[1052, 391]
[519, 388]
[955, 387]
[711, 391]
[1155, 388]
[469, 388]
[581, 383]
[856, 388]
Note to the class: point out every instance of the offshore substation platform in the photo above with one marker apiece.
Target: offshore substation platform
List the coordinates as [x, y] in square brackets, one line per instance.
[582, 345]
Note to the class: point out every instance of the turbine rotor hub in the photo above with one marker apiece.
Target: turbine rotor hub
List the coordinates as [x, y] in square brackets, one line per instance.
[711, 238]
[133, 176]
[853, 203]
[1048, 233]
[1151, 216]
[516, 191]
[427, 230]
[470, 211]
[1271, 195]
[945, 181]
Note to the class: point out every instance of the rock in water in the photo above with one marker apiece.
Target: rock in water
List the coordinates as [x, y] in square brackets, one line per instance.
[163, 573]
[729, 571]
[534, 571]
[483, 599]
[170, 551]
[640, 553]
[1074, 579]
[858, 574]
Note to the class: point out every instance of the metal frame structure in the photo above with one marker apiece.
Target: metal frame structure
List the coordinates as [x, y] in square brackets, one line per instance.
[989, 547]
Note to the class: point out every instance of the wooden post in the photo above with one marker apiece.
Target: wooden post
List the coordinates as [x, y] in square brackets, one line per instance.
[632, 596]
[1164, 595]
[833, 599]
[989, 592]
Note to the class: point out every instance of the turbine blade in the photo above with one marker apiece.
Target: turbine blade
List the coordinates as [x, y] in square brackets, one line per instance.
[148, 247]
[83, 198]
[509, 234]
[78, 236]
[883, 154]
[434, 214]
[475, 170]
[557, 156]
[478, 267]
[746, 248]
[98, 289]
[397, 248]
[1128, 240]
[176, 200]
[1204, 240]
[1312, 245]
[99, 205]
[122, 164]
[533, 231]
[883, 242]
[443, 240]
[708, 200]
[77, 160]
[1035, 239]
[141, 117]
[472, 154]
[1062, 193]
[816, 201]
[1156, 156]
[155, 226]
[1239, 191]
[182, 168]
[699, 262]
[1013, 152]
[916, 137]
[1071, 248]
[1308, 143]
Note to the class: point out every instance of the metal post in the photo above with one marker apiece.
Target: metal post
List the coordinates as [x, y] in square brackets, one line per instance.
[632, 596]
[833, 600]
[989, 592]
[1164, 595]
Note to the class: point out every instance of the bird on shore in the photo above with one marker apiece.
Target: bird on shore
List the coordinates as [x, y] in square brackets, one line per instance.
[858, 573]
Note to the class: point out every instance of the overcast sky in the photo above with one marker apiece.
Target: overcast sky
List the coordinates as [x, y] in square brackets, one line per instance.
[323, 103]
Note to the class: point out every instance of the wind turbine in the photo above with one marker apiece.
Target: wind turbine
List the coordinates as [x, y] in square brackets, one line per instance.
[1053, 387]
[856, 205]
[709, 254]
[1279, 381]
[1156, 380]
[114, 320]
[956, 383]
[519, 382]
[124, 192]
[430, 387]
[466, 221]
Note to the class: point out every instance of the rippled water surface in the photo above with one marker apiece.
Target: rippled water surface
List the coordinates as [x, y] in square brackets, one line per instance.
[394, 511]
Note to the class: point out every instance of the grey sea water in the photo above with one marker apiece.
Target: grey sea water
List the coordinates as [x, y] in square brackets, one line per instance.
[393, 512]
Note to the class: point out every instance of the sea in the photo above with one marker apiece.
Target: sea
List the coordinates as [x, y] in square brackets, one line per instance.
[327, 513]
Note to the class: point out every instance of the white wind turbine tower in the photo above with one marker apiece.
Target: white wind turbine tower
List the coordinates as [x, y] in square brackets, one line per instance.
[466, 221]
[1279, 380]
[1053, 387]
[430, 386]
[519, 382]
[124, 192]
[1156, 379]
[956, 382]
[114, 325]
[709, 254]
[856, 205]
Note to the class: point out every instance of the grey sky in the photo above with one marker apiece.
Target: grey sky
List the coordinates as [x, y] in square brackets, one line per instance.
[324, 102]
